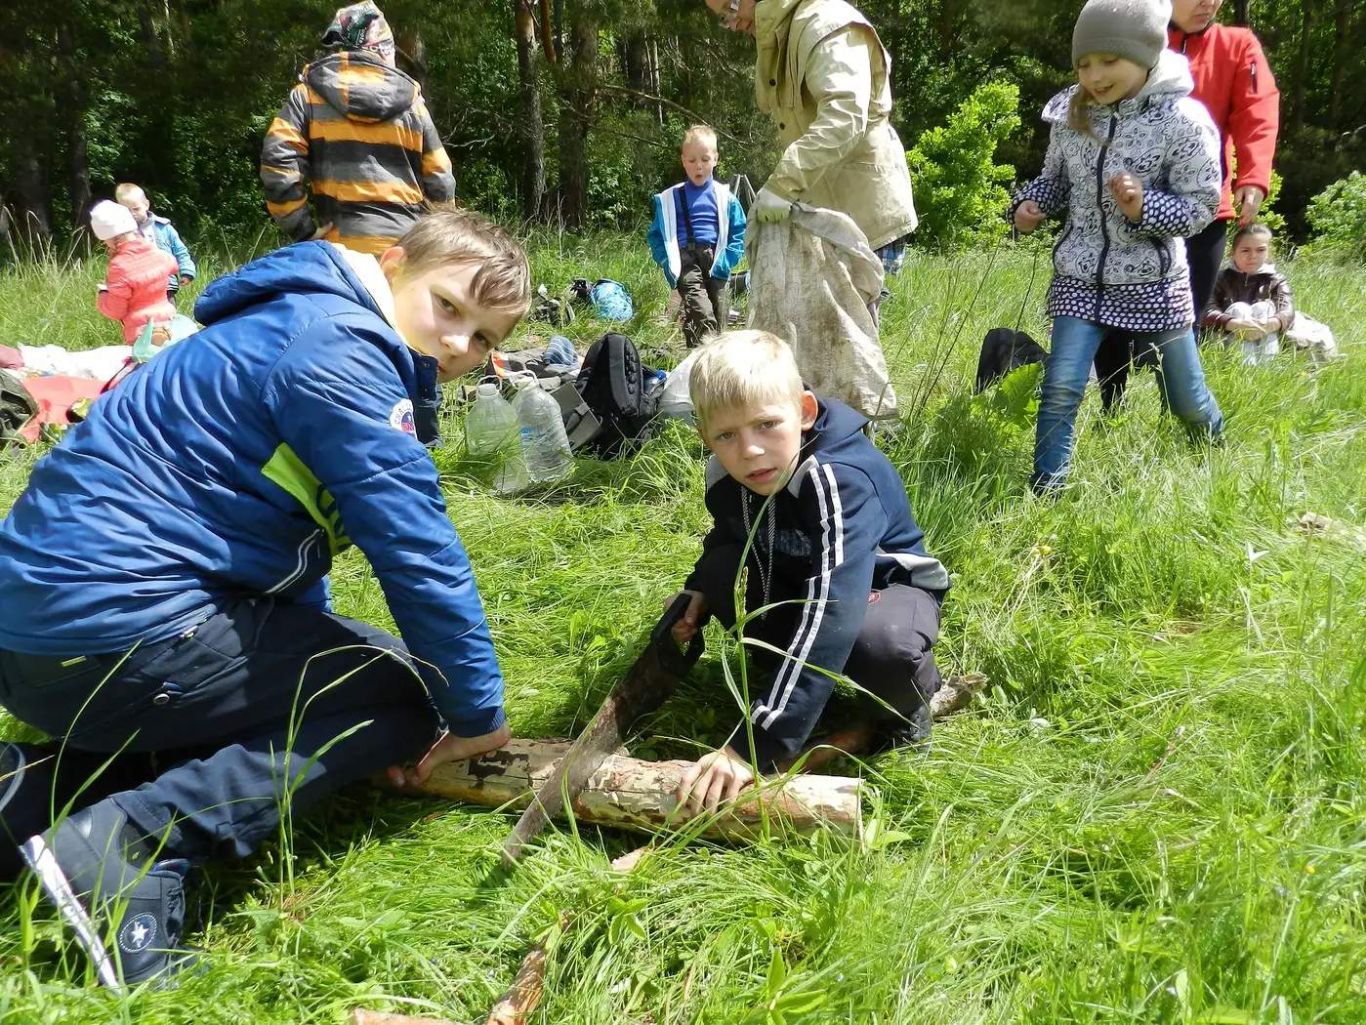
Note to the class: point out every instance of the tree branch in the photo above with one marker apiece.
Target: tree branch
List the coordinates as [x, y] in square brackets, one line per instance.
[638, 94]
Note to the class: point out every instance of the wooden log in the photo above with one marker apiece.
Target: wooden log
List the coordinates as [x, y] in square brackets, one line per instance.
[628, 793]
[360, 1016]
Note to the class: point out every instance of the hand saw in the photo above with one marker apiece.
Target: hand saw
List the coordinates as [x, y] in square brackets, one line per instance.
[647, 685]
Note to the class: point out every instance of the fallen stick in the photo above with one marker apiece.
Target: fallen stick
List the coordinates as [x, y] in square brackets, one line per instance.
[363, 1017]
[628, 793]
[515, 1007]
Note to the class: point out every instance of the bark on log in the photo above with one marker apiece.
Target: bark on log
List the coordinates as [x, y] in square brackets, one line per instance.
[627, 793]
[363, 1017]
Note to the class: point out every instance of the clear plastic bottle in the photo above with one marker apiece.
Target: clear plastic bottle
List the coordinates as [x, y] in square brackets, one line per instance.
[492, 438]
[545, 446]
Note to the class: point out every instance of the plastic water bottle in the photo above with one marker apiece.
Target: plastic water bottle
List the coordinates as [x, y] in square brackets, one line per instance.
[545, 446]
[491, 437]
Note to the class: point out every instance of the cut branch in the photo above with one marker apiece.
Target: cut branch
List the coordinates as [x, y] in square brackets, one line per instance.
[628, 793]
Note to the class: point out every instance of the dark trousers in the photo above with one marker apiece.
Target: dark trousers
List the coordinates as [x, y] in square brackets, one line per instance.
[1205, 254]
[892, 658]
[265, 708]
[705, 310]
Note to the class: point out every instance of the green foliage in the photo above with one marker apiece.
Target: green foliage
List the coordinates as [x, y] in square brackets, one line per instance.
[1338, 217]
[1267, 212]
[960, 190]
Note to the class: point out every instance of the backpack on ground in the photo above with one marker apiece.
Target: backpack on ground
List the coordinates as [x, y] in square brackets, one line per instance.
[1004, 350]
[17, 408]
[611, 301]
[621, 391]
[550, 309]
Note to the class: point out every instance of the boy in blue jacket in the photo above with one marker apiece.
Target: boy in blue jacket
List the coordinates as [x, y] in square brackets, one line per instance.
[163, 579]
[836, 560]
[160, 232]
[698, 237]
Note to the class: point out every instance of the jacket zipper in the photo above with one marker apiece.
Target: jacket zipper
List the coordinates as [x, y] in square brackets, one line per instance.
[1100, 202]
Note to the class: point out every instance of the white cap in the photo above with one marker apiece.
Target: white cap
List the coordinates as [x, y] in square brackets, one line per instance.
[526, 379]
[109, 220]
[487, 389]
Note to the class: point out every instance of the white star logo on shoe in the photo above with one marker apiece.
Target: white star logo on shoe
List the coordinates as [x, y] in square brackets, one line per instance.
[138, 934]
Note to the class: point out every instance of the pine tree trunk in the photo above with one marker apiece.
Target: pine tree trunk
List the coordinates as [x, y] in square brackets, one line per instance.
[1342, 50]
[1241, 13]
[1297, 96]
[577, 97]
[533, 128]
[77, 145]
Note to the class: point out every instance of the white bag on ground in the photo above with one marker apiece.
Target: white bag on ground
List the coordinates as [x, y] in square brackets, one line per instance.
[811, 279]
[676, 400]
[1310, 335]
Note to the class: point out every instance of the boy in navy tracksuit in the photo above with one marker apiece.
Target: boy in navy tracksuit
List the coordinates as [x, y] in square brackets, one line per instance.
[835, 548]
[163, 579]
[698, 237]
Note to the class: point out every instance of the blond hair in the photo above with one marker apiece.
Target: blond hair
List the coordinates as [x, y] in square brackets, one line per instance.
[743, 368]
[1078, 112]
[700, 133]
[125, 191]
[451, 234]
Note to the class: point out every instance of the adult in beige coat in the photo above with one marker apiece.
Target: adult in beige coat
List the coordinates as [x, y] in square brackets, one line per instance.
[824, 77]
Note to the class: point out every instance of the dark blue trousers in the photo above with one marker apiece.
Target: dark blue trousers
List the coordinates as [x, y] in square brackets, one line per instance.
[263, 708]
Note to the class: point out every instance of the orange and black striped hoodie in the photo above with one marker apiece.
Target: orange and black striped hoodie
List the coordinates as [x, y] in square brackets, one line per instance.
[356, 134]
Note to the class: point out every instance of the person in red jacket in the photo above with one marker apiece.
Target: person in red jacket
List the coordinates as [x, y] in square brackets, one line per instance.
[1234, 82]
[134, 289]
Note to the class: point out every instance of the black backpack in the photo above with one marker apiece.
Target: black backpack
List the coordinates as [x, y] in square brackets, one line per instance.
[622, 392]
[1004, 350]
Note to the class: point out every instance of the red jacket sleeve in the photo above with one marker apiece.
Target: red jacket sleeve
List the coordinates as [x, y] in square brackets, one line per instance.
[1254, 114]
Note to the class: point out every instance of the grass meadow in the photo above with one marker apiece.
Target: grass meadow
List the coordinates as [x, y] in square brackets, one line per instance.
[1156, 814]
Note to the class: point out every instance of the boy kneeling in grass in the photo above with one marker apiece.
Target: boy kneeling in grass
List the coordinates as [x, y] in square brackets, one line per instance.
[836, 561]
[163, 579]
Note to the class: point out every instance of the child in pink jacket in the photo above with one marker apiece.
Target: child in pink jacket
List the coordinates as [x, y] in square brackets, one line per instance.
[134, 291]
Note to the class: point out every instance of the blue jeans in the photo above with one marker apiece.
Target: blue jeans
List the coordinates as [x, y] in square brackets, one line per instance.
[1064, 382]
[252, 705]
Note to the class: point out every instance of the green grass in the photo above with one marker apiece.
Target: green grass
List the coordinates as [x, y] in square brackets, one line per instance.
[1156, 815]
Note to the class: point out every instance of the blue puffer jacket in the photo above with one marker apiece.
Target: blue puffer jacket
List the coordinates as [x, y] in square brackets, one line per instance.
[242, 461]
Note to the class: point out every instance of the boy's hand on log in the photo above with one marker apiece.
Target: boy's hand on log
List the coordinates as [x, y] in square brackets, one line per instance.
[1028, 216]
[1128, 195]
[713, 780]
[686, 628]
[449, 748]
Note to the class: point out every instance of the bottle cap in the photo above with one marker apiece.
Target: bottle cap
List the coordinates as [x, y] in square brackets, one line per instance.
[487, 389]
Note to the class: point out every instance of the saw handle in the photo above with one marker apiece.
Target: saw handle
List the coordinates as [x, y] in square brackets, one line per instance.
[674, 660]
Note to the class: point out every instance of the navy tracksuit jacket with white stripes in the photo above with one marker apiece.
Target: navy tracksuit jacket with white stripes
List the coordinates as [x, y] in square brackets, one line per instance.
[842, 527]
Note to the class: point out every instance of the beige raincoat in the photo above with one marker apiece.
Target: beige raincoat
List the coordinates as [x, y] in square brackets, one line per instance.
[824, 77]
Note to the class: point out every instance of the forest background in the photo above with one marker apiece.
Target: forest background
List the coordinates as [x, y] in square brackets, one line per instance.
[568, 112]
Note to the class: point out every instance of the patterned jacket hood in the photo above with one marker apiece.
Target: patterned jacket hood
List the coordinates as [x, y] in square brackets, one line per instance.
[362, 88]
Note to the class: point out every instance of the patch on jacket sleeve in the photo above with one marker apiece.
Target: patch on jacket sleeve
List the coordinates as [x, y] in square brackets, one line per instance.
[401, 417]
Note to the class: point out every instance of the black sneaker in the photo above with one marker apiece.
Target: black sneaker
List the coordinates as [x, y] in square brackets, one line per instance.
[911, 733]
[99, 872]
[26, 775]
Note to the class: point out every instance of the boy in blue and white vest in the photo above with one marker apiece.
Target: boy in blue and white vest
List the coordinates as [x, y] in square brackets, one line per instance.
[695, 245]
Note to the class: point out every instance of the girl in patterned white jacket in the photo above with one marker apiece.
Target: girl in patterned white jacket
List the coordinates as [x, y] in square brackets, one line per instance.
[1133, 161]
